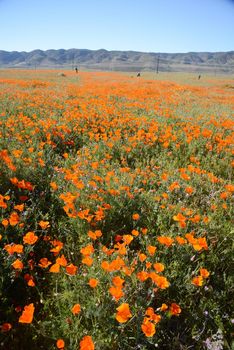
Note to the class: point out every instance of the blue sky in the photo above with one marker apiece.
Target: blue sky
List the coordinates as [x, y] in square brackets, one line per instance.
[140, 25]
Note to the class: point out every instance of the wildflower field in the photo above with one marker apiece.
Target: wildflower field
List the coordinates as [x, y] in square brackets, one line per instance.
[116, 213]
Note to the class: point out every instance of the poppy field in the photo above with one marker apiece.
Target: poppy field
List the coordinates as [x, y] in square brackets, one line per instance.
[116, 211]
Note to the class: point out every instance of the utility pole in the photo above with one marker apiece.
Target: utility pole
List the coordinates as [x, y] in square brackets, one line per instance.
[157, 64]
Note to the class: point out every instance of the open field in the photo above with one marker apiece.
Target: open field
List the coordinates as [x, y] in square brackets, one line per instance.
[116, 211]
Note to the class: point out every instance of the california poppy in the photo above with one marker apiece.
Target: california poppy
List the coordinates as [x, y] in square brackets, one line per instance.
[76, 309]
[30, 238]
[123, 313]
[86, 343]
[60, 344]
[148, 328]
[27, 315]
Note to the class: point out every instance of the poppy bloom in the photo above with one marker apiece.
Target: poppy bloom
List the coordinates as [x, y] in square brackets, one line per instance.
[197, 281]
[163, 307]
[142, 257]
[30, 238]
[29, 279]
[44, 224]
[142, 276]
[55, 268]
[123, 313]
[175, 309]
[165, 240]
[87, 260]
[14, 218]
[14, 248]
[27, 315]
[94, 235]
[44, 262]
[62, 261]
[76, 309]
[118, 281]
[86, 343]
[151, 249]
[152, 316]
[93, 282]
[60, 344]
[181, 240]
[204, 273]
[71, 269]
[5, 222]
[136, 216]
[116, 292]
[19, 207]
[17, 264]
[159, 267]
[148, 328]
[53, 185]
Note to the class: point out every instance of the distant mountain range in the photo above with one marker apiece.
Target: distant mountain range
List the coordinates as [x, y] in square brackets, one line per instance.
[221, 62]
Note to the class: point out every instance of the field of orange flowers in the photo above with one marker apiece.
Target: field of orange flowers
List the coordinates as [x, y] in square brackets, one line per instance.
[116, 212]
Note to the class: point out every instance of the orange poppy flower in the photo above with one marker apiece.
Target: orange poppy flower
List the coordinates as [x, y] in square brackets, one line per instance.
[127, 239]
[175, 309]
[60, 344]
[163, 307]
[30, 238]
[17, 264]
[87, 250]
[123, 313]
[118, 281]
[19, 207]
[14, 218]
[159, 267]
[152, 316]
[181, 240]
[87, 260]
[148, 328]
[189, 190]
[44, 262]
[55, 268]
[142, 276]
[86, 343]
[44, 224]
[53, 185]
[29, 279]
[136, 216]
[94, 235]
[144, 231]
[71, 269]
[151, 249]
[14, 248]
[76, 309]
[204, 273]
[135, 233]
[116, 292]
[142, 257]
[27, 315]
[93, 282]
[160, 281]
[165, 240]
[5, 222]
[197, 281]
[62, 261]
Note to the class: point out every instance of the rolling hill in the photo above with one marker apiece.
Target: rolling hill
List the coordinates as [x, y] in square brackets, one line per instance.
[221, 62]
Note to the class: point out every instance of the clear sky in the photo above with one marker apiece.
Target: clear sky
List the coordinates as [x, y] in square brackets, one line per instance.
[140, 25]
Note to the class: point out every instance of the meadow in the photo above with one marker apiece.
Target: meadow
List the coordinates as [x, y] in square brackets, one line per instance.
[116, 211]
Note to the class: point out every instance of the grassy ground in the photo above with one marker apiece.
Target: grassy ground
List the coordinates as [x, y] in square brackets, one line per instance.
[116, 210]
